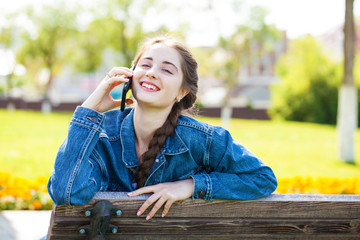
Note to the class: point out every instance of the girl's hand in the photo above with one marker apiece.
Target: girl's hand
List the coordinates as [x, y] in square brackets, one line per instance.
[164, 193]
[100, 100]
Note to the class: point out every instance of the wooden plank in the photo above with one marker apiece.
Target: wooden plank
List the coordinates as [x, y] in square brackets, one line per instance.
[273, 217]
[205, 227]
[51, 221]
[215, 236]
[273, 206]
[219, 237]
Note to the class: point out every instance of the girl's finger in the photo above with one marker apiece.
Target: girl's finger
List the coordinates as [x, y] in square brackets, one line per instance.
[120, 71]
[148, 203]
[166, 208]
[129, 101]
[156, 207]
[143, 190]
[115, 81]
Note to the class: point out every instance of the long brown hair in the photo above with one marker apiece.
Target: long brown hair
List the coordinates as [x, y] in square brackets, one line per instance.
[190, 83]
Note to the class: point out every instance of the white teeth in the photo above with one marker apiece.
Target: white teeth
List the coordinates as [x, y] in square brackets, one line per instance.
[149, 86]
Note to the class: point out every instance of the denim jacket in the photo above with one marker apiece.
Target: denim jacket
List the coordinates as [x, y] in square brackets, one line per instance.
[99, 155]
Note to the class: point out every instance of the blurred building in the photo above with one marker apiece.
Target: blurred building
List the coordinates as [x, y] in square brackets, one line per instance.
[254, 81]
[333, 40]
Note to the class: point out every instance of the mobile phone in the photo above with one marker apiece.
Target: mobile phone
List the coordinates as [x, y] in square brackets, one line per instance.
[127, 87]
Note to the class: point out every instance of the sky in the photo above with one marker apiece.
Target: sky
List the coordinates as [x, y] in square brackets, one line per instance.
[297, 17]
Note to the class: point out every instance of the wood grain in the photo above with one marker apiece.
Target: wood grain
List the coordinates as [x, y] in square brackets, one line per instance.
[273, 217]
[305, 208]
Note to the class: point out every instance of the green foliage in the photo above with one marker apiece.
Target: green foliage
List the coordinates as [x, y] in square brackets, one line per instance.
[90, 45]
[238, 50]
[357, 81]
[6, 35]
[308, 90]
[46, 46]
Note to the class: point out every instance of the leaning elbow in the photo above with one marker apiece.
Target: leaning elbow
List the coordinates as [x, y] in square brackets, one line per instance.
[56, 194]
[271, 182]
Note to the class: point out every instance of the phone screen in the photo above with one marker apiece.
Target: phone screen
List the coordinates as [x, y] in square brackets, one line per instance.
[127, 87]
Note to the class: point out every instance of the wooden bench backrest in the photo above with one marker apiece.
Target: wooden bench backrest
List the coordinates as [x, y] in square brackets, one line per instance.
[278, 216]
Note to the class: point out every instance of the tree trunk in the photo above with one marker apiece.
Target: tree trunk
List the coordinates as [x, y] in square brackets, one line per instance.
[11, 103]
[226, 111]
[46, 107]
[347, 107]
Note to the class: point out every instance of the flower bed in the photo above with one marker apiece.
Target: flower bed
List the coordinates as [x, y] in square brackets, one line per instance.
[320, 185]
[23, 194]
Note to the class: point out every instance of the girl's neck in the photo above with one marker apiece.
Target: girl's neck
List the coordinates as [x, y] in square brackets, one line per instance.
[146, 122]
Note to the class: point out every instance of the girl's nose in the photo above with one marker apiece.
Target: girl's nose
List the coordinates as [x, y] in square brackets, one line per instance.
[151, 74]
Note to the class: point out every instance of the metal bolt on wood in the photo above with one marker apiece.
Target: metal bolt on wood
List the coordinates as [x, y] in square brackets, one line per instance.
[82, 231]
[87, 213]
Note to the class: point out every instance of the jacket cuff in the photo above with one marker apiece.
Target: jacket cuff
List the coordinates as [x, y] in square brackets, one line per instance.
[202, 186]
[88, 117]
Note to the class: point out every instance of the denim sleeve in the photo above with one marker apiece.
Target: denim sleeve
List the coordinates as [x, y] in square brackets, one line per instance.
[76, 178]
[232, 172]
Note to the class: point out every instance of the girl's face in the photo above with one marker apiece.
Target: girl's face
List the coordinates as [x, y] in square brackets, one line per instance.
[158, 77]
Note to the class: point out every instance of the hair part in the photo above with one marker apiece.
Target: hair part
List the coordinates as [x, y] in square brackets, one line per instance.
[189, 82]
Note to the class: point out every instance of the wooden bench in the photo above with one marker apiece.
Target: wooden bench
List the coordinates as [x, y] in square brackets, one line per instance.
[278, 216]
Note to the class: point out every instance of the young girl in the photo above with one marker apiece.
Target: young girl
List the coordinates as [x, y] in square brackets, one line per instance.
[152, 148]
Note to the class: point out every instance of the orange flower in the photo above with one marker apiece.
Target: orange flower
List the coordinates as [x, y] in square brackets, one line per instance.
[36, 205]
[322, 185]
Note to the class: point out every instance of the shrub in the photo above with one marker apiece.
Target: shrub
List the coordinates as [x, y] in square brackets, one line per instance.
[309, 84]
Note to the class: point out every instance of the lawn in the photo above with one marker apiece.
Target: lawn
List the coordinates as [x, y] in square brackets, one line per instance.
[29, 141]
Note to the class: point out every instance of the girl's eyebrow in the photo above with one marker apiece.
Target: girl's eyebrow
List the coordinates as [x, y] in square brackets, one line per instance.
[170, 63]
[165, 62]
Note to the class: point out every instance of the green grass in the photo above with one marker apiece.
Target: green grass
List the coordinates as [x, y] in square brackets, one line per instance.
[29, 142]
[294, 148]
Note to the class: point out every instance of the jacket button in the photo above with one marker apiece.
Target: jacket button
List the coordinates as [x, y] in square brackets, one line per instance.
[94, 119]
[201, 194]
[156, 160]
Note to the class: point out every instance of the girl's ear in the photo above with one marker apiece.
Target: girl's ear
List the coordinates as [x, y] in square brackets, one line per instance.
[183, 93]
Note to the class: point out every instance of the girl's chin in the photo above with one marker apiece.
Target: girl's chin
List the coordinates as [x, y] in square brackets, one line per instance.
[152, 103]
[150, 99]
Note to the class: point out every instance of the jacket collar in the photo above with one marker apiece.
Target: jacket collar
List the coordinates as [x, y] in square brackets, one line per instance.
[173, 145]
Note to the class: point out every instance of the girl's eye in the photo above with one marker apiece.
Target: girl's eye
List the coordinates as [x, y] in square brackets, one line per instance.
[168, 71]
[145, 65]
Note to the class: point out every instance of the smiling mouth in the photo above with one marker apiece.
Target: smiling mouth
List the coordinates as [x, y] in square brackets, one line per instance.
[148, 86]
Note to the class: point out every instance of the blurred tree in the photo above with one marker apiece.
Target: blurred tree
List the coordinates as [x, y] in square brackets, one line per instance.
[116, 26]
[7, 39]
[238, 51]
[347, 113]
[119, 29]
[357, 83]
[9, 44]
[46, 46]
[309, 84]
[89, 48]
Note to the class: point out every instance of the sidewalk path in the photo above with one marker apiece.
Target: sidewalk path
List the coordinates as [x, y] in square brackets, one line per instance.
[24, 225]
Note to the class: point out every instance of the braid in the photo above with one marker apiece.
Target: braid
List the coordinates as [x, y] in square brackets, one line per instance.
[155, 145]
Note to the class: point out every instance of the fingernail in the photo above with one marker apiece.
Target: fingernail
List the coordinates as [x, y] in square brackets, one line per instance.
[129, 101]
[148, 217]
[130, 193]
[138, 213]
